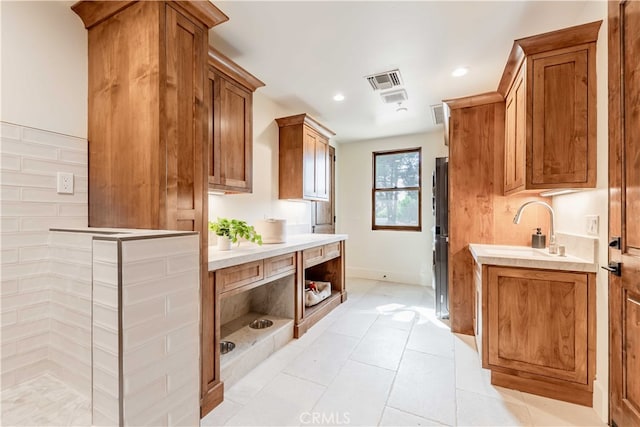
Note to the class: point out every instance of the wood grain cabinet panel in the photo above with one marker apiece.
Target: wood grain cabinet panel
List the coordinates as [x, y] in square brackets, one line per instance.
[560, 149]
[624, 211]
[332, 250]
[549, 86]
[305, 168]
[319, 254]
[230, 124]
[323, 212]
[280, 264]
[515, 132]
[313, 256]
[540, 325]
[231, 278]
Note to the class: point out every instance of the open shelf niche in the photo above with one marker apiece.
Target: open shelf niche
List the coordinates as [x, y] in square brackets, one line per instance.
[273, 301]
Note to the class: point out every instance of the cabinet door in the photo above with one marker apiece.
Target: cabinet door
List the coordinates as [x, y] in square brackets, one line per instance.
[323, 213]
[309, 142]
[185, 134]
[624, 208]
[236, 138]
[538, 322]
[230, 135]
[562, 143]
[322, 169]
[515, 133]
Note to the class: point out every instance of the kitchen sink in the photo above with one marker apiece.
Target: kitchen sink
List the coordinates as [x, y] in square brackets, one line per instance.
[518, 251]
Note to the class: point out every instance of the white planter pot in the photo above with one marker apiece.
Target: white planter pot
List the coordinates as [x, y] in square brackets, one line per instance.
[224, 243]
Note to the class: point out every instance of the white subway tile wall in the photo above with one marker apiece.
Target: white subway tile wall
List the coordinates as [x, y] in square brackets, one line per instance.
[161, 380]
[70, 287]
[105, 343]
[40, 314]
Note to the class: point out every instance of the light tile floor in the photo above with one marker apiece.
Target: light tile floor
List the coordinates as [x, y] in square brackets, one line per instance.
[383, 358]
[44, 401]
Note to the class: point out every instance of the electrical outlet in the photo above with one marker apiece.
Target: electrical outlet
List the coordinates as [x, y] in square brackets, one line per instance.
[593, 222]
[65, 183]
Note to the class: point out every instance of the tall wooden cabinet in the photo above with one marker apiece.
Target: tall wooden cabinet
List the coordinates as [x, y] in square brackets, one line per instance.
[146, 113]
[481, 213]
[304, 158]
[230, 124]
[147, 129]
[549, 85]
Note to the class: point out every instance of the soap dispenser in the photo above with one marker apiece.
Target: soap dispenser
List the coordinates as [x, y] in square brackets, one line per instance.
[538, 240]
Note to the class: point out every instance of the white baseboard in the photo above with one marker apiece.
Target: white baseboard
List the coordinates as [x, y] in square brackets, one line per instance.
[601, 400]
[387, 276]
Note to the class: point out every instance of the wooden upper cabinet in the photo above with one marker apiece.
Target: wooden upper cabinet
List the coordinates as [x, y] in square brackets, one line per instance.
[230, 121]
[515, 136]
[549, 86]
[323, 212]
[147, 128]
[304, 158]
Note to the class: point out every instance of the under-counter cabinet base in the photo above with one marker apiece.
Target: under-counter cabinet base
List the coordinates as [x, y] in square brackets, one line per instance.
[538, 331]
[264, 283]
[322, 263]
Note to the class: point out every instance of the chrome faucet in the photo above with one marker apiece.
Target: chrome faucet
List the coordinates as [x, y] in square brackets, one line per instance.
[553, 247]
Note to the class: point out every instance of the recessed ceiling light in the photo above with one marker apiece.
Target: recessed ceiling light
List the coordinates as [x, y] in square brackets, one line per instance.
[460, 71]
[401, 109]
[338, 97]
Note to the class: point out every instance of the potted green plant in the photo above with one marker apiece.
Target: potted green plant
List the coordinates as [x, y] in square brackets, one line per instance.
[230, 230]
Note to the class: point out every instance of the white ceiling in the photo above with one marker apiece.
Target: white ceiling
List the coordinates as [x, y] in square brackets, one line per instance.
[306, 52]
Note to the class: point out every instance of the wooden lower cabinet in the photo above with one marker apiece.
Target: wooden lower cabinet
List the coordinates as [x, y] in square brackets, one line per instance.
[323, 262]
[211, 388]
[539, 331]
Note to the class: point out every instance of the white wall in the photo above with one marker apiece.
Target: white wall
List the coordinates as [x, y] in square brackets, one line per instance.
[571, 210]
[402, 256]
[44, 66]
[43, 131]
[264, 202]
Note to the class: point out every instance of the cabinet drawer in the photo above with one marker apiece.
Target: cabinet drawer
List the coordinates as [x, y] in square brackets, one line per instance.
[280, 264]
[332, 250]
[235, 277]
[313, 256]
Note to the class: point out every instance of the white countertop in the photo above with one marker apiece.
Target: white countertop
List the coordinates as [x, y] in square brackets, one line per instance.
[248, 252]
[524, 256]
[122, 233]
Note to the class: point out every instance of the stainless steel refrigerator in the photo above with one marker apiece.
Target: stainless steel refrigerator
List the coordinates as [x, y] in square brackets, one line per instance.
[441, 236]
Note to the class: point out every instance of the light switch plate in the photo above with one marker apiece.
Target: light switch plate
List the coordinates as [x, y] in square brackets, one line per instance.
[65, 183]
[593, 223]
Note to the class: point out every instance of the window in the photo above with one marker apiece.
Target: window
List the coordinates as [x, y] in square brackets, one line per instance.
[396, 194]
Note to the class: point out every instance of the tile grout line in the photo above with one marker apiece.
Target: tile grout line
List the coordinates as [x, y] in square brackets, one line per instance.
[393, 382]
[326, 388]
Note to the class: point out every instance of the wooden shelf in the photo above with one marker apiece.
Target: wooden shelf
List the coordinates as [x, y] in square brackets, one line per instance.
[312, 315]
[309, 311]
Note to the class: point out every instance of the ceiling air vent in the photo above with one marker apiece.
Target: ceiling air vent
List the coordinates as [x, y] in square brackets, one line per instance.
[386, 80]
[394, 96]
[437, 113]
